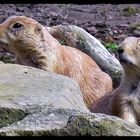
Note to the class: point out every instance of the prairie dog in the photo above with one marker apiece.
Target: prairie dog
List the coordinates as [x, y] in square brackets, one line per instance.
[34, 46]
[124, 101]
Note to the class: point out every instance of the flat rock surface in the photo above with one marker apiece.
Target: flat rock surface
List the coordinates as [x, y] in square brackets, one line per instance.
[30, 87]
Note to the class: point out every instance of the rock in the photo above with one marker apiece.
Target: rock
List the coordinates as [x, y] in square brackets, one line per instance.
[25, 90]
[64, 122]
[115, 32]
[92, 29]
[34, 102]
[97, 124]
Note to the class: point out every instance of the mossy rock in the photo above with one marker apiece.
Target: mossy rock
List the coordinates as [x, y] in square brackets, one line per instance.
[79, 124]
[10, 115]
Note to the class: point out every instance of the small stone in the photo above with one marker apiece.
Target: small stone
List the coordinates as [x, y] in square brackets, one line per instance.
[124, 25]
[120, 31]
[52, 116]
[115, 31]
[92, 29]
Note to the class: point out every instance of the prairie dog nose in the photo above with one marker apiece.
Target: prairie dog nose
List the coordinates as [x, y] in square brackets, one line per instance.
[120, 50]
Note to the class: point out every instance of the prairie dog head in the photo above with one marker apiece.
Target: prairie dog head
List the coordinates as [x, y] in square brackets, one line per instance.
[19, 31]
[129, 53]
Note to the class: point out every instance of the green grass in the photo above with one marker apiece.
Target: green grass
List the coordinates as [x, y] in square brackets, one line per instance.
[62, 42]
[111, 46]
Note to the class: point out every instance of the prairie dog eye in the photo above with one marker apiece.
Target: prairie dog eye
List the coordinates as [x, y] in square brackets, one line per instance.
[139, 42]
[17, 26]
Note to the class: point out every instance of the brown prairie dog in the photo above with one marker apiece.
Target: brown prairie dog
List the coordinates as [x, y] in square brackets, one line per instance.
[124, 102]
[34, 46]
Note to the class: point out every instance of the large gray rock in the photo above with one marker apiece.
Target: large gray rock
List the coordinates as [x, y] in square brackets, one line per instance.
[35, 102]
[25, 90]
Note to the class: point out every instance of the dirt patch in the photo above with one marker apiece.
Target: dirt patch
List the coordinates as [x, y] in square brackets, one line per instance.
[106, 22]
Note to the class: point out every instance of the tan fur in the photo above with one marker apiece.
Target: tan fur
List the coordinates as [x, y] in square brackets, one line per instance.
[124, 102]
[34, 46]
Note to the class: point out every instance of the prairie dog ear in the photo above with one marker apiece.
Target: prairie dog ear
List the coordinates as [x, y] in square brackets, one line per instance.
[38, 29]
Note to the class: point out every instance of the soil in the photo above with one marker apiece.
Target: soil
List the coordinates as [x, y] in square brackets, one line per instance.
[106, 22]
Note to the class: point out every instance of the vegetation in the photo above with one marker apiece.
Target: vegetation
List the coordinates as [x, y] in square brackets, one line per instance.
[134, 26]
[130, 11]
[111, 46]
[62, 42]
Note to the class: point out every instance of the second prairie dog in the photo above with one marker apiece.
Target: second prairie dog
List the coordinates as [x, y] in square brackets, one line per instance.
[34, 46]
[124, 102]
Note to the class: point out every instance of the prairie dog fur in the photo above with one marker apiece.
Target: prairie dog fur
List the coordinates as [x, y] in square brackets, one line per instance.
[34, 46]
[124, 101]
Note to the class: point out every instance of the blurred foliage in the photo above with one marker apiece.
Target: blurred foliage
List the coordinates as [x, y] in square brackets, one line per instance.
[134, 26]
[111, 46]
[7, 57]
[62, 42]
[61, 5]
[130, 11]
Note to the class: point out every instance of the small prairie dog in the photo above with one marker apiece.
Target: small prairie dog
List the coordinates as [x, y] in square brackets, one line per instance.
[124, 101]
[34, 46]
